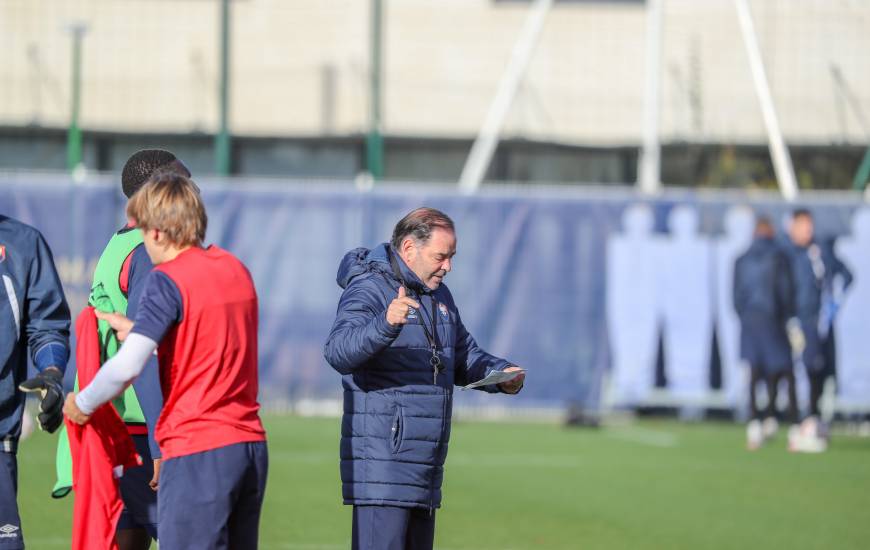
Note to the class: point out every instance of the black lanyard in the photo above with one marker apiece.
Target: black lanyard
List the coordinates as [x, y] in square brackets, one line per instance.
[431, 337]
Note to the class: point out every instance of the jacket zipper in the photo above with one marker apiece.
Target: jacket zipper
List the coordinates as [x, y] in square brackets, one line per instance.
[440, 440]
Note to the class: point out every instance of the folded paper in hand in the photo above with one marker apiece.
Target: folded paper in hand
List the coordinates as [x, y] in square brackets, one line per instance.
[494, 377]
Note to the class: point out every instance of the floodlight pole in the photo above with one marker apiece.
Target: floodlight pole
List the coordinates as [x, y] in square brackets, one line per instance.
[649, 169]
[374, 138]
[782, 164]
[74, 133]
[487, 139]
[222, 139]
[862, 176]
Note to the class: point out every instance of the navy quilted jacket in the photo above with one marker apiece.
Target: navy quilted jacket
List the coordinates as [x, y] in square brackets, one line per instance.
[396, 422]
[764, 299]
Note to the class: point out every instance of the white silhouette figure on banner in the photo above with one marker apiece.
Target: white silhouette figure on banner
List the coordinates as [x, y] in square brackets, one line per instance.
[632, 318]
[853, 343]
[738, 226]
[686, 298]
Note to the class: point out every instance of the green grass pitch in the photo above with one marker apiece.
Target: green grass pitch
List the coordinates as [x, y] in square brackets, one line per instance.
[652, 484]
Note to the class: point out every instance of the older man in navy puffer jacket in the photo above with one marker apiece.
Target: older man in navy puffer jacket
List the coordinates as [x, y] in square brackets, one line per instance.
[401, 346]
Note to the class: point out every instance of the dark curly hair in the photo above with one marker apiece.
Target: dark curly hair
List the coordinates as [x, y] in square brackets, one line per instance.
[146, 162]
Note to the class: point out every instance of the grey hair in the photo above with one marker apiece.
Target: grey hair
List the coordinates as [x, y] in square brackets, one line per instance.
[418, 225]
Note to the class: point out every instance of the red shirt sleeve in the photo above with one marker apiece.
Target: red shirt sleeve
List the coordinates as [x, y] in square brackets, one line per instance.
[124, 276]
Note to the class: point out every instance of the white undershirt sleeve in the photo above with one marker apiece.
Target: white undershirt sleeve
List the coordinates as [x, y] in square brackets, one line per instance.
[117, 373]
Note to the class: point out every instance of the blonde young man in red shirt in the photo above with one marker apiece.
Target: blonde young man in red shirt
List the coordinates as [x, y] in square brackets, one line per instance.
[199, 312]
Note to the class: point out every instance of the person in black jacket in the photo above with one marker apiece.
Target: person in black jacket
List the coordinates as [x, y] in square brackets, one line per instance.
[34, 318]
[821, 281]
[764, 301]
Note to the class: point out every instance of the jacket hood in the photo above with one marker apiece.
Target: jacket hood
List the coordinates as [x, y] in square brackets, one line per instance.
[361, 261]
[763, 244]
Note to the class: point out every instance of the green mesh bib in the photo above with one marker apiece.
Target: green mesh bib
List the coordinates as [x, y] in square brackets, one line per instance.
[106, 295]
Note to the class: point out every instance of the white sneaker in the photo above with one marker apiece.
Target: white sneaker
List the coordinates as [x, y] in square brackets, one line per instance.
[808, 438]
[809, 444]
[754, 435]
[769, 427]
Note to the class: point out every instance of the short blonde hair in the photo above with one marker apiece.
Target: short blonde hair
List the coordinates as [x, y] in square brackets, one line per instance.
[170, 203]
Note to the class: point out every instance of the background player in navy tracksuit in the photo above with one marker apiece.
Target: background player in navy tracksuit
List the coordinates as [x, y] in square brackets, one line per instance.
[401, 346]
[199, 312]
[764, 301]
[821, 280]
[34, 317]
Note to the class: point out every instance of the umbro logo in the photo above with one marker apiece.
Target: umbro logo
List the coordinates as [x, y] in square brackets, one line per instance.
[8, 531]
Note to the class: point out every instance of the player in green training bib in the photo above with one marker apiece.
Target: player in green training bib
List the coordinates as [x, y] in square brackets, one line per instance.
[116, 287]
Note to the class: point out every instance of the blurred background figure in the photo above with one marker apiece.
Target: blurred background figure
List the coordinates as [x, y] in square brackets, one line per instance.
[764, 299]
[632, 305]
[739, 227]
[853, 346]
[821, 281]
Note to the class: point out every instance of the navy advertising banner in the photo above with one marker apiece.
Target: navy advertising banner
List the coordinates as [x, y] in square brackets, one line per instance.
[580, 286]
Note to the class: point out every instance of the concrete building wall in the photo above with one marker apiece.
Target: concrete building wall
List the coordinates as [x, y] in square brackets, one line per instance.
[300, 68]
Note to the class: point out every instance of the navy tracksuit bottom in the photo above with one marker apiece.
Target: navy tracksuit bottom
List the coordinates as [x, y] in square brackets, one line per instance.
[212, 500]
[393, 528]
[10, 524]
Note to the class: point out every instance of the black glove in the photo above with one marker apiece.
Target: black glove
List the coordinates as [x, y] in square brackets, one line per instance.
[49, 384]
